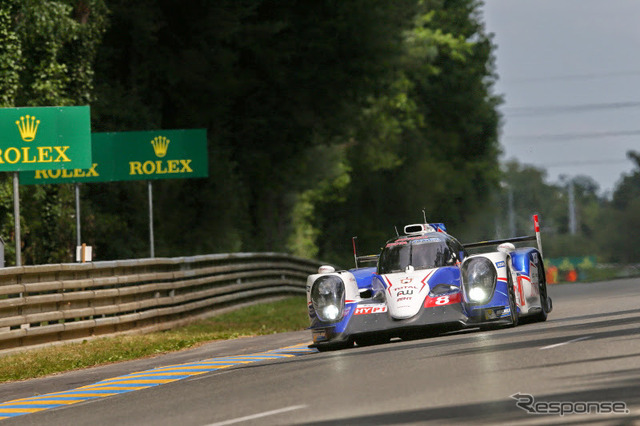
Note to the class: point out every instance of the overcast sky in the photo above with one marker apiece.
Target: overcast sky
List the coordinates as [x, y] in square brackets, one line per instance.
[569, 71]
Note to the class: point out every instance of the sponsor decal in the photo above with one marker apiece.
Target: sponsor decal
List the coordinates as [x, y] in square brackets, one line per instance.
[27, 127]
[416, 240]
[370, 309]
[425, 279]
[426, 241]
[534, 290]
[163, 154]
[420, 238]
[500, 264]
[54, 138]
[319, 336]
[495, 313]
[406, 280]
[521, 280]
[160, 146]
[447, 299]
[159, 167]
[405, 292]
[533, 269]
[67, 174]
[389, 286]
[397, 243]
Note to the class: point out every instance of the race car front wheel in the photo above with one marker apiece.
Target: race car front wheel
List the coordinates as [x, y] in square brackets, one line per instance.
[334, 346]
[513, 307]
[372, 339]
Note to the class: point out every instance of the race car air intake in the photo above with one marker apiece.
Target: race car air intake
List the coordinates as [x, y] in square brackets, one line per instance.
[479, 279]
[327, 296]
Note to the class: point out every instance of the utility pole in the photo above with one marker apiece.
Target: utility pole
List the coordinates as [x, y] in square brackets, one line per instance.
[572, 210]
[512, 214]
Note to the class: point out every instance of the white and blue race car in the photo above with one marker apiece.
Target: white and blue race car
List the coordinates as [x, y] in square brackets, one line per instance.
[426, 281]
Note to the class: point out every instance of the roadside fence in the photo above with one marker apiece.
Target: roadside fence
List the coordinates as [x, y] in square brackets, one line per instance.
[62, 302]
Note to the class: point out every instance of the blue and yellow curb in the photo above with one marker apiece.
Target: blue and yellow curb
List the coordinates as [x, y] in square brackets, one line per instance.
[141, 380]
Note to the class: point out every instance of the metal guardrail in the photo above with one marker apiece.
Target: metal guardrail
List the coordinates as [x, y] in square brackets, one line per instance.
[50, 303]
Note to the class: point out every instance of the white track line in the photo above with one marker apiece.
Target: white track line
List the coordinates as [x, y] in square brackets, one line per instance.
[564, 343]
[259, 415]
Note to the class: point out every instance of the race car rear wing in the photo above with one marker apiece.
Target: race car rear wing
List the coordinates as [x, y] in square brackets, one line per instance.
[370, 258]
[536, 237]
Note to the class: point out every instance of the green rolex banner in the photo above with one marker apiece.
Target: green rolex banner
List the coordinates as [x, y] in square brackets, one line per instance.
[45, 138]
[146, 155]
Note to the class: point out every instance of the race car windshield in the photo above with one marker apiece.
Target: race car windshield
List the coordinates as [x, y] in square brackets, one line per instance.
[423, 253]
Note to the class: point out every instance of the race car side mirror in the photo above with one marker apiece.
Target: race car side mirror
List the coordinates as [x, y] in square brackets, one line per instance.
[506, 248]
[326, 269]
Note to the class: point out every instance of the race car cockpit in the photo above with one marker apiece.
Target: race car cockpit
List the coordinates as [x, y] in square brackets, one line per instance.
[427, 251]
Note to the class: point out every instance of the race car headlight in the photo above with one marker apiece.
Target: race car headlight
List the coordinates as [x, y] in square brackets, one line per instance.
[327, 296]
[477, 294]
[479, 278]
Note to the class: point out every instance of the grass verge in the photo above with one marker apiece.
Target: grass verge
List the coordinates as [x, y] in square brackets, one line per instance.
[286, 315]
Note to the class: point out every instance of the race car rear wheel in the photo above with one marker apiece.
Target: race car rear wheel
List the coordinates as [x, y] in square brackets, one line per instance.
[545, 303]
[513, 305]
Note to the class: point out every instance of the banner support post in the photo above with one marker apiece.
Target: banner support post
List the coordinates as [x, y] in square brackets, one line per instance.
[16, 216]
[151, 242]
[78, 229]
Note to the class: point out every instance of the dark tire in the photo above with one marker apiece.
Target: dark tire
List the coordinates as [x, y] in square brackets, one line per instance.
[545, 302]
[409, 335]
[371, 340]
[513, 305]
[489, 327]
[334, 346]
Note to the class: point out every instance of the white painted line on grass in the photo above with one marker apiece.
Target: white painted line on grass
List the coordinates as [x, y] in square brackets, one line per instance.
[259, 415]
[564, 343]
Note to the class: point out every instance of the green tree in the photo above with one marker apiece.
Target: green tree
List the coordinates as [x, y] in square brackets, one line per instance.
[428, 139]
[525, 192]
[47, 50]
[324, 119]
[10, 55]
[10, 67]
[620, 220]
[271, 81]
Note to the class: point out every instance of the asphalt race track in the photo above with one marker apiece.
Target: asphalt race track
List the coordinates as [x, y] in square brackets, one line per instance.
[585, 358]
